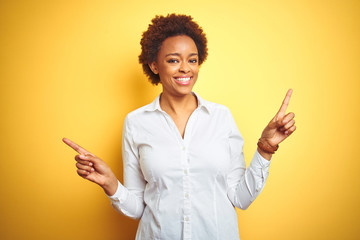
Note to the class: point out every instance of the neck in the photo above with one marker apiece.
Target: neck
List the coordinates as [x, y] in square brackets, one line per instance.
[177, 105]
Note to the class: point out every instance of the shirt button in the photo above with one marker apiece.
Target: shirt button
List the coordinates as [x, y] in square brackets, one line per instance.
[187, 219]
[184, 148]
[186, 195]
[185, 171]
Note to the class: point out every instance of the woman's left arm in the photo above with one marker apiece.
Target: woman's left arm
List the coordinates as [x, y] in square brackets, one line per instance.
[278, 129]
[245, 184]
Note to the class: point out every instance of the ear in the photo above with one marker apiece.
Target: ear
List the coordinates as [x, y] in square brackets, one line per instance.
[153, 67]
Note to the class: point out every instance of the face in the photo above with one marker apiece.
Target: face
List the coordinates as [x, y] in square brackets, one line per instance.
[177, 64]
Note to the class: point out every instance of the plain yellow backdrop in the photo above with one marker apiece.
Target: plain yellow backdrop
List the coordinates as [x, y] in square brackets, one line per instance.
[70, 69]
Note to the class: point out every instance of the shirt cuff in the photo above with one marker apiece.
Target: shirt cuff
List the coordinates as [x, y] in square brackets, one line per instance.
[264, 163]
[119, 192]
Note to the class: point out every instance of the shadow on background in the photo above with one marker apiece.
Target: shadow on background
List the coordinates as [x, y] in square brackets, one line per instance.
[139, 92]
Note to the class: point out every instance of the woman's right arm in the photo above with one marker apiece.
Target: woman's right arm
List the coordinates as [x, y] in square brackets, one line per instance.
[127, 200]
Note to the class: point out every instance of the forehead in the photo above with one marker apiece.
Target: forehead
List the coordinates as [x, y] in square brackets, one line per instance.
[178, 44]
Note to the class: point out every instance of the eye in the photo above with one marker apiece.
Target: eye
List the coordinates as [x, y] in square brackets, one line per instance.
[172, 60]
[194, 60]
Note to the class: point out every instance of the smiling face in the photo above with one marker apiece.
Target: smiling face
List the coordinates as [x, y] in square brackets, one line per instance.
[177, 64]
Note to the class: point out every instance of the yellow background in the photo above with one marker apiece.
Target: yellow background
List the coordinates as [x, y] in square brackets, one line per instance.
[70, 69]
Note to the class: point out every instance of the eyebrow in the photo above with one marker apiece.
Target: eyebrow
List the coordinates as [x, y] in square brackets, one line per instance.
[178, 54]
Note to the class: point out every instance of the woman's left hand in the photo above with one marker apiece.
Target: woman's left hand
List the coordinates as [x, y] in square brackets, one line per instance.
[281, 126]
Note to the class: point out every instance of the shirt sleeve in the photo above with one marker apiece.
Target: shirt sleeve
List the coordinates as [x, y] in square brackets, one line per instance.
[244, 184]
[129, 198]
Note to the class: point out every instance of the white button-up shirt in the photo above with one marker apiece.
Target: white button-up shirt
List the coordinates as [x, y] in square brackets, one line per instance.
[186, 188]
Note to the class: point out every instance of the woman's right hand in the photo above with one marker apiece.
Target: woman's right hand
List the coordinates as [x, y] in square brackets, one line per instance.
[94, 169]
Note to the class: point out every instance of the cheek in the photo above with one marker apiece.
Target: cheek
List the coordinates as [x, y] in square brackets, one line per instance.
[195, 70]
[168, 70]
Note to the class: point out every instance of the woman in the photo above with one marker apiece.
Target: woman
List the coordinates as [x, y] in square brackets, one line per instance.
[184, 169]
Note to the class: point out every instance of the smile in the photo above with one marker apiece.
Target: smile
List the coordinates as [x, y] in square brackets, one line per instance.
[183, 80]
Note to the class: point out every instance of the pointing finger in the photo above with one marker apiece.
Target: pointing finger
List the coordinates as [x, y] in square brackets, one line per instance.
[76, 147]
[284, 104]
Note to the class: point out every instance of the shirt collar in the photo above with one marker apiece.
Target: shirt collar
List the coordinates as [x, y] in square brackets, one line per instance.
[155, 105]
[202, 103]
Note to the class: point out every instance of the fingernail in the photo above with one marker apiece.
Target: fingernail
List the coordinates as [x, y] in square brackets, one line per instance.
[90, 164]
[83, 156]
[92, 169]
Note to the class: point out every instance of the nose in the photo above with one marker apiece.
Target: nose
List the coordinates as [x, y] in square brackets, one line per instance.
[184, 67]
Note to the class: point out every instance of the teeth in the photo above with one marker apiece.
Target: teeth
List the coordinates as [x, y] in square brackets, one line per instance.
[183, 79]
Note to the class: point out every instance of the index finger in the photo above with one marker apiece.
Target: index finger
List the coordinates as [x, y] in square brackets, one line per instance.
[285, 104]
[76, 147]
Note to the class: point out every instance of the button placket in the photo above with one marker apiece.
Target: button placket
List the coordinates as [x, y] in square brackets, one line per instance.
[186, 193]
[186, 178]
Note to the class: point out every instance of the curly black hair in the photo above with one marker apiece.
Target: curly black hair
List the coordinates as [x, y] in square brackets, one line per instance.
[164, 27]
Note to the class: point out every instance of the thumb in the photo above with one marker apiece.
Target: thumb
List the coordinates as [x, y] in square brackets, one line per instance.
[99, 165]
[90, 157]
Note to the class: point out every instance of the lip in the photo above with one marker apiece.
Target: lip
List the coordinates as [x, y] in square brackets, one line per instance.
[183, 80]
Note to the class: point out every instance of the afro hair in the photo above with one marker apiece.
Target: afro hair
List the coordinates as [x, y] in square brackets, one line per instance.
[164, 27]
